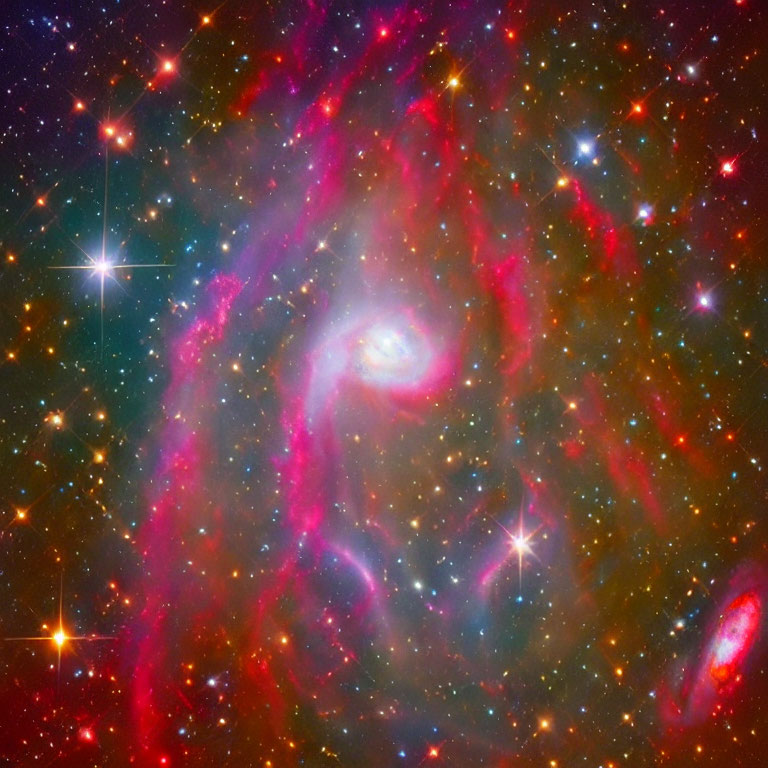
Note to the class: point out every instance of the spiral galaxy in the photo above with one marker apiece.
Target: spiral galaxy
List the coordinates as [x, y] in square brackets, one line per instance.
[386, 384]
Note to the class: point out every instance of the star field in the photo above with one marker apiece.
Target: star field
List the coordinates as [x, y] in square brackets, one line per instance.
[384, 384]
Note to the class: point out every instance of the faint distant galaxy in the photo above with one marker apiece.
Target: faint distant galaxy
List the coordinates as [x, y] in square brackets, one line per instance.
[707, 681]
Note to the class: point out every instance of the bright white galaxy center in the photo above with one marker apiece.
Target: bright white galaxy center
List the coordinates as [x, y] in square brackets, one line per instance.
[393, 355]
